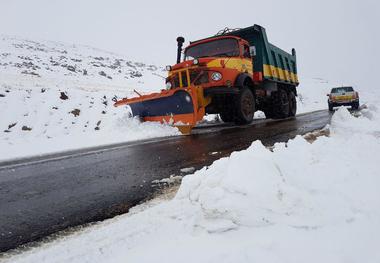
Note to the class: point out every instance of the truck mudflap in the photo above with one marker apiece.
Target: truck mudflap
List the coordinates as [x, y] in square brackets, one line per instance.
[181, 107]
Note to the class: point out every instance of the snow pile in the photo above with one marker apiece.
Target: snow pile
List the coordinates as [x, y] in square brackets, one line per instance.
[40, 121]
[295, 203]
[56, 97]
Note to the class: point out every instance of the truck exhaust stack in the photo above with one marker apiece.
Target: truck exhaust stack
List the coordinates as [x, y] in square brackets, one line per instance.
[180, 41]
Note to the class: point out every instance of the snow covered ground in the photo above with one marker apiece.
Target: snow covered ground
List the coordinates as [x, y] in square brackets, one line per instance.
[298, 202]
[56, 97]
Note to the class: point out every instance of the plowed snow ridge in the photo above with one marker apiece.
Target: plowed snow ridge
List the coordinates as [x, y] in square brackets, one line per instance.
[299, 202]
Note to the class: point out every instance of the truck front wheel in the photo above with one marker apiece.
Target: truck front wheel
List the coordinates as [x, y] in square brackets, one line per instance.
[227, 116]
[280, 104]
[244, 106]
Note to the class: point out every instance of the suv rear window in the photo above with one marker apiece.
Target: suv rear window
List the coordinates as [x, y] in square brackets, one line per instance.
[342, 90]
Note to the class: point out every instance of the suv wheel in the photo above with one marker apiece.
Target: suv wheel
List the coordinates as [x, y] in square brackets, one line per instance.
[331, 108]
[355, 105]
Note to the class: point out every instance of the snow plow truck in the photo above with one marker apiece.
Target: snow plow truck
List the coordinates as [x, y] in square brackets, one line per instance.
[233, 74]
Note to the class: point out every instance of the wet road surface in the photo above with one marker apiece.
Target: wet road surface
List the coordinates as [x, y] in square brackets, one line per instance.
[42, 195]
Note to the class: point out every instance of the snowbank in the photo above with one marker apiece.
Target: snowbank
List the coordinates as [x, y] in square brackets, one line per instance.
[298, 202]
[39, 121]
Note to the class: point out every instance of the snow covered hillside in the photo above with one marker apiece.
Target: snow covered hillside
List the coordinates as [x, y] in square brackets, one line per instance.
[298, 202]
[56, 97]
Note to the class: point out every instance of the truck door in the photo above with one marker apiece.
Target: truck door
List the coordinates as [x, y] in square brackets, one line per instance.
[247, 60]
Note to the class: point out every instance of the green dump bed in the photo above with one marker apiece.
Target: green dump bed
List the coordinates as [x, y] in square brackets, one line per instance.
[275, 64]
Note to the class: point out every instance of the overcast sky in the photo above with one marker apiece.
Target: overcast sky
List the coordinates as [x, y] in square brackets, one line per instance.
[337, 40]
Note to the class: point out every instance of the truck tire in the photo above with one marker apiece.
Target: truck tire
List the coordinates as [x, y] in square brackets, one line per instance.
[227, 116]
[292, 104]
[268, 113]
[244, 106]
[280, 103]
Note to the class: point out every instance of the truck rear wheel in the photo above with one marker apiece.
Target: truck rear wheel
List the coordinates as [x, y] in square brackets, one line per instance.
[268, 111]
[244, 106]
[292, 104]
[280, 104]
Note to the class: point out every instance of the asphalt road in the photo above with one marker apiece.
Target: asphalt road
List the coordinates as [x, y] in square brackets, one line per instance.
[42, 195]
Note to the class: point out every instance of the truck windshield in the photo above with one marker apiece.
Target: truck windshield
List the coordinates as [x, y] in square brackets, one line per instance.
[227, 47]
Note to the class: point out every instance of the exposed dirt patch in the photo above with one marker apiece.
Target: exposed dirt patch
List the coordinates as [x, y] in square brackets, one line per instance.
[312, 136]
[64, 96]
[97, 128]
[71, 68]
[26, 128]
[75, 112]
[10, 126]
[30, 73]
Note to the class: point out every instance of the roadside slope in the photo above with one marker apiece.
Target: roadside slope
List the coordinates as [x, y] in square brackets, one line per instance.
[58, 97]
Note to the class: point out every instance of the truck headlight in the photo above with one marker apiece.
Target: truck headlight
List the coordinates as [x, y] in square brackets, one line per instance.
[216, 76]
[196, 61]
[168, 85]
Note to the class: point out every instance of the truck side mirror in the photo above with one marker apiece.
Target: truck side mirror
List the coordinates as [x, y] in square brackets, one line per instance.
[252, 51]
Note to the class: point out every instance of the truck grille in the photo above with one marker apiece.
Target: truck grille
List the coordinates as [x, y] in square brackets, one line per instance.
[197, 77]
[174, 80]
[184, 79]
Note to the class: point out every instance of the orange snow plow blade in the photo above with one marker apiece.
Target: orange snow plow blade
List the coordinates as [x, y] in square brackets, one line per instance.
[181, 107]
